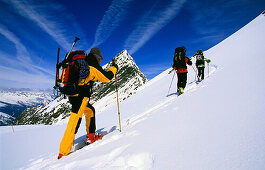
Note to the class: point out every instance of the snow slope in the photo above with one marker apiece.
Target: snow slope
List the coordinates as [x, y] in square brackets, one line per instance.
[217, 124]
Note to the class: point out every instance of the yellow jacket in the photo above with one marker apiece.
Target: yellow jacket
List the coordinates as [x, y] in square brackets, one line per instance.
[96, 72]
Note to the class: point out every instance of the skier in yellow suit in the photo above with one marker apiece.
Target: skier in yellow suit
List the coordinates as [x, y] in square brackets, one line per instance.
[80, 102]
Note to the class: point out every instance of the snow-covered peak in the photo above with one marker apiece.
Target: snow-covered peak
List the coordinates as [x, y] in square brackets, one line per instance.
[123, 59]
[124, 56]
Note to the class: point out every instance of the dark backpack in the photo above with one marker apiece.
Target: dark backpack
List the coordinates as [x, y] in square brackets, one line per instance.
[199, 57]
[179, 57]
[74, 68]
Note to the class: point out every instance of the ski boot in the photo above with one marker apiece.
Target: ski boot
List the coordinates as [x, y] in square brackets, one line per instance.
[199, 80]
[180, 90]
[60, 156]
[92, 137]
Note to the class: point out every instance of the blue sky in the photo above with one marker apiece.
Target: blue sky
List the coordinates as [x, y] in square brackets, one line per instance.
[32, 30]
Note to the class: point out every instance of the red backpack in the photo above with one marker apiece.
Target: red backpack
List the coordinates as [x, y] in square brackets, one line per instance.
[73, 68]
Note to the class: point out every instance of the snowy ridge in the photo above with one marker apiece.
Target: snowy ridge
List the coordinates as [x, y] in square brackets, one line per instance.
[14, 101]
[216, 124]
[25, 97]
[6, 119]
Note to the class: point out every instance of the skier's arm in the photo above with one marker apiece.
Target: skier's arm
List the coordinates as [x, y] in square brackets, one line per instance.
[97, 73]
[193, 56]
[102, 75]
[207, 60]
[188, 61]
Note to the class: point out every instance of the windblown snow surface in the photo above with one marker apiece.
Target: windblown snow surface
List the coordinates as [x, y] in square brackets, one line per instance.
[216, 124]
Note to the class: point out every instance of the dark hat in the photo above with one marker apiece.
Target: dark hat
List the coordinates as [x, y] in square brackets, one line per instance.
[199, 52]
[97, 53]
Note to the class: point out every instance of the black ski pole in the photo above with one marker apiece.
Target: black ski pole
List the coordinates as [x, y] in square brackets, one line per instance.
[57, 67]
[195, 72]
[57, 72]
[196, 75]
[170, 71]
[171, 83]
[208, 69]
[76, 39]
[55, 88]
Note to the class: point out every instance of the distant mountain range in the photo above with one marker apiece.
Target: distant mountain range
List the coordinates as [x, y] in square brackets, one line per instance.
[130, 78]
[14, 101]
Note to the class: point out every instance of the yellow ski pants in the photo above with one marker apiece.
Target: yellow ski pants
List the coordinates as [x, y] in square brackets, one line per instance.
[74, 123]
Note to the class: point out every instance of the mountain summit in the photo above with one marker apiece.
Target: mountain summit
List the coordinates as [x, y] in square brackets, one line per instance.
[129, 76]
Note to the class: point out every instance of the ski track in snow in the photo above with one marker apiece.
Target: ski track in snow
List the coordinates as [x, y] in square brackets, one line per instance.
[172, 97]
[111, 160]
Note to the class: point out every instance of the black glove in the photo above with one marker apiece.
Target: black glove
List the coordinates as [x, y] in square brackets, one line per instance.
[115, 65]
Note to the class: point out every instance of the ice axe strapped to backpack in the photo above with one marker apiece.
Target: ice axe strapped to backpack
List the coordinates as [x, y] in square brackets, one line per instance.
[74, 67]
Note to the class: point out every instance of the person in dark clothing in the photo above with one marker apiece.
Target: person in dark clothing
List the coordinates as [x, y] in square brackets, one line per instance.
[200, 64]
[80, 102]
[180, 65]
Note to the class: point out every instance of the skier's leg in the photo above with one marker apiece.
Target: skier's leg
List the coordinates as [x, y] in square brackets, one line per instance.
[202, 73]
[91, 125]
[69, 134]
[90, 119]
[72, 127]
[184, 78]
[199, 73]
[179, 80]
[180, 77]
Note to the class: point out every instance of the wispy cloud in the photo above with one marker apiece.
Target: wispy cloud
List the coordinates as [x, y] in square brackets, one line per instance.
[111, 20]
[217, 17]
[22, 53]
[53, 27]
[152, 70]
[150, 24]
[18, 78]
[20, 68]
